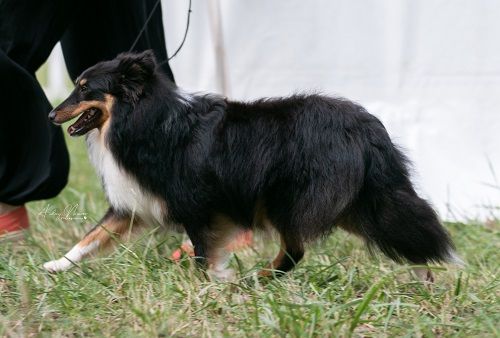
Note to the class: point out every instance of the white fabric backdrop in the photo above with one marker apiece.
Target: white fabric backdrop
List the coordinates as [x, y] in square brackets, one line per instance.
[429, 69]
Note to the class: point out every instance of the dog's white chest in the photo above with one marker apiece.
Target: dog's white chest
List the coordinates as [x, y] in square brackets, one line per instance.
[122, 190]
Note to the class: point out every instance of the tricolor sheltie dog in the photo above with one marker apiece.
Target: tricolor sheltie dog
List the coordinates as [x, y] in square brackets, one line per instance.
[301, 165]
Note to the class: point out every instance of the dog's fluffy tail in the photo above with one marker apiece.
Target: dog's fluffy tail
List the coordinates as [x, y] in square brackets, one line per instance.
[405, 227]
[390, 215]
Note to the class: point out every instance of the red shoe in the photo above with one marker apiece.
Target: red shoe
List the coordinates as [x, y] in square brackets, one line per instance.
[186, 248]
[13, 222]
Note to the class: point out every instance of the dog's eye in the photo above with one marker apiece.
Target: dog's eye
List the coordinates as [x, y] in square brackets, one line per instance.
[83, 88]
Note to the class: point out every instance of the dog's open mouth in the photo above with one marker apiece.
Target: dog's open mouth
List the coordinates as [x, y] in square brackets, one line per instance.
[87, 121]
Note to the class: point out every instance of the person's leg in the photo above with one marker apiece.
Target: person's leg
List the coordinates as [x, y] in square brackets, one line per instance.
[34, 162]
[33, 158]
[105, 28]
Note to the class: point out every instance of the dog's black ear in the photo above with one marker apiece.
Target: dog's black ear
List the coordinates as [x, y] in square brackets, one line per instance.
[137, 66]
[135, 70]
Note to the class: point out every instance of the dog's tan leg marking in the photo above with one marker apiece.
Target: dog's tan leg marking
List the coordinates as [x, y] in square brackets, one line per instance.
[268, 269]
[101, 236]
[290, 253]
[261, 220]
[424, 274]
[223, 232]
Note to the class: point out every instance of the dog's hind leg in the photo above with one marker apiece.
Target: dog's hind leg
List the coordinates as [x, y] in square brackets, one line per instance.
[291, 252]
[211, 246]
[111, 226]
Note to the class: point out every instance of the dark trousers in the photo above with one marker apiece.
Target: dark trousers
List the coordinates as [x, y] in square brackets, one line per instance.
[34, 161]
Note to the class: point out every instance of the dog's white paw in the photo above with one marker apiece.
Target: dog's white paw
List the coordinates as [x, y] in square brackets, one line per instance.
[58, 265]
[223, 275]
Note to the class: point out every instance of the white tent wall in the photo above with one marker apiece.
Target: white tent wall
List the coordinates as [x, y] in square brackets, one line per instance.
[430, 70]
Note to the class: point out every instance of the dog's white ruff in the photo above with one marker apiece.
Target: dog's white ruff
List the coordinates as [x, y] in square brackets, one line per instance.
[122, 190]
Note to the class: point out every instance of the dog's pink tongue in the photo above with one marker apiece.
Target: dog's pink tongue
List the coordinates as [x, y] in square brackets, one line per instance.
[77, 126]
[71, 130]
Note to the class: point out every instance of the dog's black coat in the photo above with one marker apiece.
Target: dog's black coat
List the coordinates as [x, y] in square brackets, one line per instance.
[312, 162]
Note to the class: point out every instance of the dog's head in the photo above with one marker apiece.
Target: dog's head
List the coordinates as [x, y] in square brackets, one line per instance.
[97, 90]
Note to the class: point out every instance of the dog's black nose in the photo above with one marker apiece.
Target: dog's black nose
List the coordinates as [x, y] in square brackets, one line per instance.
[52, 115]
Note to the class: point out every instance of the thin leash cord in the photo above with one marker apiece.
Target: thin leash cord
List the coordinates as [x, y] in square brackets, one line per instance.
[188, 21]
[145, 25]
[147, 22]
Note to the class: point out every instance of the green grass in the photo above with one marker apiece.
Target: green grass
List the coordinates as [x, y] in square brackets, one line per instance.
[338, 290]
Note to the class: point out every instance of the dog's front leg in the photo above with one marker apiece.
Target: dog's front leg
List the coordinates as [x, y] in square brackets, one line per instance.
[112, 226]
